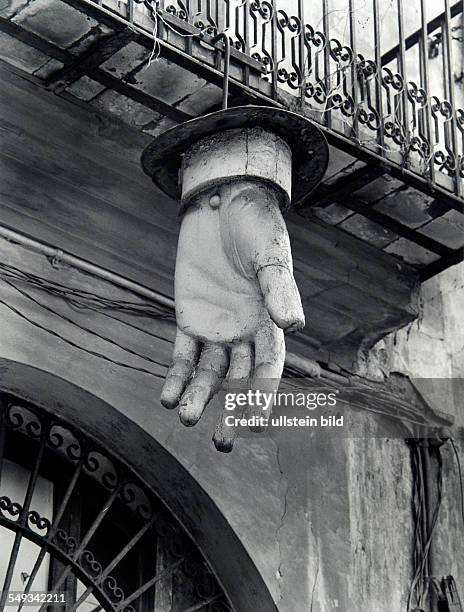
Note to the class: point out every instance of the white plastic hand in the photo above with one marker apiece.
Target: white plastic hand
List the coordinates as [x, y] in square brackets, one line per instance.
[235, 297]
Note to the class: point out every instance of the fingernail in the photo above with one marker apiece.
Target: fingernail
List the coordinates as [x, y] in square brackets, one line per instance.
[223, 444]
[192, 405]
[171, 392]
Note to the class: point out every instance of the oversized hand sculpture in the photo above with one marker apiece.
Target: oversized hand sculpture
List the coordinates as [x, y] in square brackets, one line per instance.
[235, 294]
[235, 297]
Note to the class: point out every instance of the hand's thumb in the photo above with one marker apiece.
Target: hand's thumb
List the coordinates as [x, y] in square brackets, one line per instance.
[281, 297]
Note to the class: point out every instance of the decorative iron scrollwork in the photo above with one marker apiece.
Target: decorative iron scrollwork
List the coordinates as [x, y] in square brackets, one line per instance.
[443, 157]
[40, 522]
[90, 564]
[9, 507]
[180, 11]
[316, 85]
[64, 441]
[262, 13]
[22, 419]
[289, 72]
[67, 543]
[103, 469]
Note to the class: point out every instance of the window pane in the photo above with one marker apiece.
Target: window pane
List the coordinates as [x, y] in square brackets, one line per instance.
[13, 485]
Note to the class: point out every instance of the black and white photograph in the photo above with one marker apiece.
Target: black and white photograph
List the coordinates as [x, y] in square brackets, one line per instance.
[231, 306]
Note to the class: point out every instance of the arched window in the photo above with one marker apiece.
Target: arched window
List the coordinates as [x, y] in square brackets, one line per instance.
[78, 523]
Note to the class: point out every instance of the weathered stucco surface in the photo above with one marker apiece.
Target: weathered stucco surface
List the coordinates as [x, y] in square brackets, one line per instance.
[430, 349]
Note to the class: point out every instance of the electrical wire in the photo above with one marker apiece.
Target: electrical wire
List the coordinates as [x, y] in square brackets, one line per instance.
[421, 579]
[85, 299]
[77, 346]
[461, 484]
[83, 327]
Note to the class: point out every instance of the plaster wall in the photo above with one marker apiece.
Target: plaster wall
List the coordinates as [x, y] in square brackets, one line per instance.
[326, 519]
[431, 348]
[430, 351]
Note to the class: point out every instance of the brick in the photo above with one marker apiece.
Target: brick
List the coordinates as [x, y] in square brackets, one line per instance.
[55, 21]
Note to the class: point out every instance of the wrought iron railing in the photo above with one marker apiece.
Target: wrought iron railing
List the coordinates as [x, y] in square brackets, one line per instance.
[399, 95]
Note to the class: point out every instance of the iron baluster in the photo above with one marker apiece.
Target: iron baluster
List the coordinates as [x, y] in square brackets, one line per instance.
[211, 16]
[281, 19]
[181, 10]
[393, 85]
[130, 11]
[419, 102]
[254, 26]
[367, 113]
[246, 39]
[425, 78]
[327, 79]
[378, 78]
[354, 68]
[239, 34]
[292, 77]
[317, 89]
[341, 98]
[443, 157]
[275, 63]
[404, 120]
[460, 126]
[262, 14]
[302, 52]
[452, 144]
[203, 18]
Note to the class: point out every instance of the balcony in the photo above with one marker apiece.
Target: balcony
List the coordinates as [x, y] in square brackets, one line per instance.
[390, 103]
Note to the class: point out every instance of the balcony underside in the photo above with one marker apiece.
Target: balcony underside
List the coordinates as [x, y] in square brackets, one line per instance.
[78, 49]
[100, 60]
